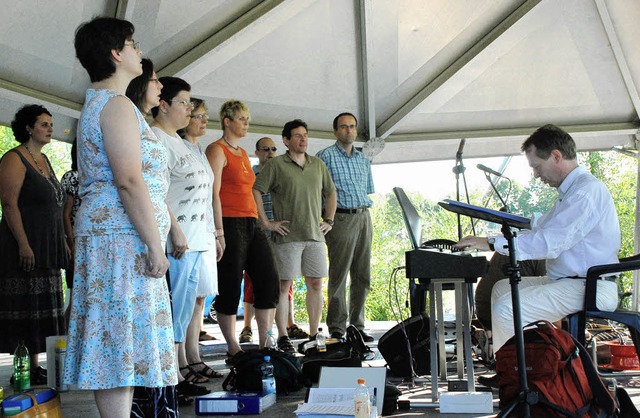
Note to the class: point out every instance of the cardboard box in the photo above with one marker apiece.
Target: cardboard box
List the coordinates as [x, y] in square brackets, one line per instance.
[466, 402]
[241, 403]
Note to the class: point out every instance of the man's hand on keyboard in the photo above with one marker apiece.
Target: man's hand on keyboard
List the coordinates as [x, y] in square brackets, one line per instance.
[472, 243]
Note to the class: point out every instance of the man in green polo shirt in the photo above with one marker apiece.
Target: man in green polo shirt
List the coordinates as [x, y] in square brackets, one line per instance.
[297, 183]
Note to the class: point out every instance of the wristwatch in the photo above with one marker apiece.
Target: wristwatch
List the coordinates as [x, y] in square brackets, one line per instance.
[491, 242]
[329, 221]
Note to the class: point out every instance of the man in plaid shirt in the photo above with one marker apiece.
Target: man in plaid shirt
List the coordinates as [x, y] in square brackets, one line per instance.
[349, 242]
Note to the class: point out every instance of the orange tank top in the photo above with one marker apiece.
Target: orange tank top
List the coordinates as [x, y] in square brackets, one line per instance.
[236, 196]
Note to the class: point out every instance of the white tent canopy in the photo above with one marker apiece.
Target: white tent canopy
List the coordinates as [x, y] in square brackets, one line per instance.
[419, 74]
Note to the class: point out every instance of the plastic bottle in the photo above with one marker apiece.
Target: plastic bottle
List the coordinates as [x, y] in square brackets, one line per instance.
[361, 400]
[271, 341]
[268, 379]
[61, 353]
[21, 368]
[321, 341]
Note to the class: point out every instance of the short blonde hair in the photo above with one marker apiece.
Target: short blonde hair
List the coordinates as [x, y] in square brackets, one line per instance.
[230, 108]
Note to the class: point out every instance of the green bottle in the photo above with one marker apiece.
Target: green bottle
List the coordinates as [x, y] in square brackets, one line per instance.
[21, 368]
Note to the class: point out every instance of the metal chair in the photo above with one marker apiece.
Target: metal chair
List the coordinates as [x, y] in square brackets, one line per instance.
[631, 319]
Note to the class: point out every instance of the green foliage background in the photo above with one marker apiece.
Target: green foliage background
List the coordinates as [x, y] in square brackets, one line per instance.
[388, 298]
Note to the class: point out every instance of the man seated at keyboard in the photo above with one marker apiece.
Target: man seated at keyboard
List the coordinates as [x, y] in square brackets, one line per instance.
[580, 230]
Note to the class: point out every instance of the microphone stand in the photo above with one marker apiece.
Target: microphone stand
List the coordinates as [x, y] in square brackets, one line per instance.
[495, 190]
[460, 169]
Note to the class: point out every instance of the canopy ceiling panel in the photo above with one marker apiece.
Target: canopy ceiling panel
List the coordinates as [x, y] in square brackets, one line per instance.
[420, 75]
[294, 71]
[570, 78]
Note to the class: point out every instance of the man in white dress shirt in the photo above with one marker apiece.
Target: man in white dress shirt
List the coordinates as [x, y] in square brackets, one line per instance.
[581, 230]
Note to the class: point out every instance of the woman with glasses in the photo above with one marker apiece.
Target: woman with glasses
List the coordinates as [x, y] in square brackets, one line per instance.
[189, 354]
[120, 335]
[244, 244]
[191, 236]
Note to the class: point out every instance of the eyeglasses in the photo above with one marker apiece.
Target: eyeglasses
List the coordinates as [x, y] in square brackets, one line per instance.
[154, 80]
[267, 149]
[135, 45]
[184, 102]
[199, 116]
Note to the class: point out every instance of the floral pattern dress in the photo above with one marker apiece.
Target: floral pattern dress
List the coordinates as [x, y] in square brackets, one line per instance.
[120, 332]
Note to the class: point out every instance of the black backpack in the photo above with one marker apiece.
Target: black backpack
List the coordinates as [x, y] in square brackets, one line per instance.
[245, 373]
[348, 352]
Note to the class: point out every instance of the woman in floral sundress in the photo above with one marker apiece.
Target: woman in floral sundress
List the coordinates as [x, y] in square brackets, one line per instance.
[120, 333]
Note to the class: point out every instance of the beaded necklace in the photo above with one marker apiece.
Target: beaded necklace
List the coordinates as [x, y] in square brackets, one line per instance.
[57, 189]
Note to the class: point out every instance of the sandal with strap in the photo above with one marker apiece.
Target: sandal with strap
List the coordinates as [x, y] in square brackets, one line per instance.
[193, 376]
[184, 400]
[189, 389]
[205, 371]
[296, 333]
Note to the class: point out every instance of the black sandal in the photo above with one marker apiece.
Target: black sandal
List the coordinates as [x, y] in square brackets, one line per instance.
[38, 376]
[187, 388]
[205, 371]
[184, 400]
[193, 376]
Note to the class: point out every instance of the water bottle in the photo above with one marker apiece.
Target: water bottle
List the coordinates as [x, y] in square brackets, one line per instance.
[321, 341]
[21, 368]
[361, 400]
[271, 342]
[268, 379]
[61, 353]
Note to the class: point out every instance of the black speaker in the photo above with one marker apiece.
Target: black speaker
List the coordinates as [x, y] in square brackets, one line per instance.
[407, 343]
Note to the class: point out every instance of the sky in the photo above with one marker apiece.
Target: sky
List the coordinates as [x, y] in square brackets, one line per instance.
[436, 180]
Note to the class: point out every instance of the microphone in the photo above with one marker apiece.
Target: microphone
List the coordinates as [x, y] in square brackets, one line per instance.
[489, 170]
[460, 147]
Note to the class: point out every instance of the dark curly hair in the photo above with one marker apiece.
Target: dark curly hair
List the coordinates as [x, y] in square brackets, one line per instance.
[94, 41]
[291, 125]
[137, 88]
[26, 116]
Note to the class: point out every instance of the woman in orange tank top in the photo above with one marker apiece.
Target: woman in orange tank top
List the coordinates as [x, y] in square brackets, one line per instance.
[244, 244]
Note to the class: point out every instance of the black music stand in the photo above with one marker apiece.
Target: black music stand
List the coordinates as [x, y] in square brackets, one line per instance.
[526, 398]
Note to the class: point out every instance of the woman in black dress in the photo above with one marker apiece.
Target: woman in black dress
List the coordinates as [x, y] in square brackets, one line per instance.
[32, 245]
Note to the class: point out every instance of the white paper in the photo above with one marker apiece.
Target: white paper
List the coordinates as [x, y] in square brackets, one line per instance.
[331, 401]
[337, 408]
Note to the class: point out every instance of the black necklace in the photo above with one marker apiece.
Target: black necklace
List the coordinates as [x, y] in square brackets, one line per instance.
[237, 147]
[53, 182]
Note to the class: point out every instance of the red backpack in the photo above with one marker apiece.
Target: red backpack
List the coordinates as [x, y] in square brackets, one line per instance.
[559, 370]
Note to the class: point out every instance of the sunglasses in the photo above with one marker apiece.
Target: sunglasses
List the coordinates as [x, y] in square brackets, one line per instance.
[267, 149]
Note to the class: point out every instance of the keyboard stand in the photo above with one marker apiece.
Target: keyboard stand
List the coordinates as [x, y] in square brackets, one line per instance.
[437, 333]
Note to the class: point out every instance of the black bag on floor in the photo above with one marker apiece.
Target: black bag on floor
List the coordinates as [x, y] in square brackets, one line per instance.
[245, 373]
[338, 354]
